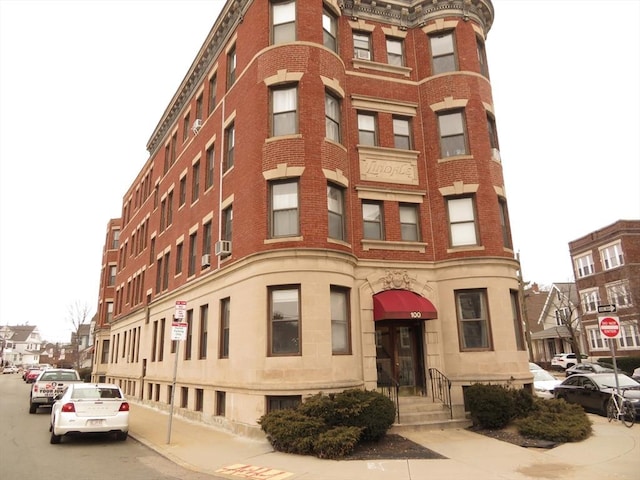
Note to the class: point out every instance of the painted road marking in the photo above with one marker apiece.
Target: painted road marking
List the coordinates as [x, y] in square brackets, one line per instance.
[253, 472]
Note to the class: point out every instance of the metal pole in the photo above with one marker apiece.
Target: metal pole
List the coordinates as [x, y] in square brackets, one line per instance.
[612, 343]
[173, 391]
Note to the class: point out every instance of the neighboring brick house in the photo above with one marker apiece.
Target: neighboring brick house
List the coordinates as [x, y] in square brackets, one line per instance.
[325, 192]
[606, 265]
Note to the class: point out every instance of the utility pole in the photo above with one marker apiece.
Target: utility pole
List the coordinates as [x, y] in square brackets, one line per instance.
[523, 309]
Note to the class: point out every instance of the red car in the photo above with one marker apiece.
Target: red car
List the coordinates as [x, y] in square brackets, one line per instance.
[32, 374]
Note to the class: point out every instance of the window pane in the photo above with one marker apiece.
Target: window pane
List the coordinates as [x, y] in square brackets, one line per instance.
[442, 45]
[285, 195]
[339, 323]
[285, 318]
[460, 210]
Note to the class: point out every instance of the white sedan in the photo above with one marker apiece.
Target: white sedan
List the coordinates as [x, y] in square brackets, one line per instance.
[90, 408]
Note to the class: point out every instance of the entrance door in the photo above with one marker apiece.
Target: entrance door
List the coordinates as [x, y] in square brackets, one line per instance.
[399, 356]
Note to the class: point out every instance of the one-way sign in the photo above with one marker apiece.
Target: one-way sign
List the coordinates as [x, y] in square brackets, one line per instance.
[607, 308]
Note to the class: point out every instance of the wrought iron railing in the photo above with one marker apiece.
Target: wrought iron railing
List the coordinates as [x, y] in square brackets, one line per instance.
[441, 388]
[391, 388]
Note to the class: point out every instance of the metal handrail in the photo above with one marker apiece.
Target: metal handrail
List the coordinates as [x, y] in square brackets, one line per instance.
[391, 388]
[441, 388]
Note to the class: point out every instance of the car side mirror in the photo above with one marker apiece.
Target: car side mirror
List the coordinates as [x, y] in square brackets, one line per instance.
[57, 397]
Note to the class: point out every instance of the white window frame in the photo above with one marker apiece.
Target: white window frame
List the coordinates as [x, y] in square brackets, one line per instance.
[395, 51]
[284, 103]
[283, 16]
[619, 294]
[584, 265]
[367, 129]
[443, 53]
[590, 300]
[453, 135]
[401, 132]
[285, 205]
[332, 117]
[462, 221]
[612, 256]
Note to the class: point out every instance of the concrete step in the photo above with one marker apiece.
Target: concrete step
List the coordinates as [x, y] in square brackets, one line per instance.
[423, 413]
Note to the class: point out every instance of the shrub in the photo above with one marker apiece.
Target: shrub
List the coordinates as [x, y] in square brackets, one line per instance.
[556, 420]
[523, 401]
[369, 410]
[290, 431]
[337, 442]
[491, 406]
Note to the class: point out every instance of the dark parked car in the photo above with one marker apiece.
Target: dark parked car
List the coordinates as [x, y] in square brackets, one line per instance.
[593, 390]
[588, 367]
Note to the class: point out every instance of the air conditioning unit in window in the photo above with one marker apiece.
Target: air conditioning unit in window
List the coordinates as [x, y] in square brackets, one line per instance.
[363, 54]
[495, 155]
[206, 260]
[197, 125]
[223, 248]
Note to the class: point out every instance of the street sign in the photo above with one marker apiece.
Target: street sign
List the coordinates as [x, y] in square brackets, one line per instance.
[609, 326]
[181, 309]
[607, 308]
[179, 330]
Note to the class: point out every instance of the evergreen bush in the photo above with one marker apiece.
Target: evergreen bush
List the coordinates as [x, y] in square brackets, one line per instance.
[490, 406]
[337, 442]
[555, 420]
[290, 431]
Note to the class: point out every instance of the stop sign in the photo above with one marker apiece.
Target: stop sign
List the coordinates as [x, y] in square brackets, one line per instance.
[609, 326]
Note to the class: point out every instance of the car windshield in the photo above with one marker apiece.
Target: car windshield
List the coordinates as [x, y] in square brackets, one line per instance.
[94, 393]
[609, 380]
[542, 376]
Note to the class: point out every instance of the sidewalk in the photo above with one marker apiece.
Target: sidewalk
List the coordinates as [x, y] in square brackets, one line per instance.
[612, 452]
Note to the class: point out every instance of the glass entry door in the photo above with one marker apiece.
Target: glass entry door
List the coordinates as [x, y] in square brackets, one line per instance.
[399, 356]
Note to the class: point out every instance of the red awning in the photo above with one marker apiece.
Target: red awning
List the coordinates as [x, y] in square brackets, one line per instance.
[402, 305]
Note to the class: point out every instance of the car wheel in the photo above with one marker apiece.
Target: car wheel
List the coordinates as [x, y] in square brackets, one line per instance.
[54, 438]
[571, 365]
[122, 436]
[33, 407]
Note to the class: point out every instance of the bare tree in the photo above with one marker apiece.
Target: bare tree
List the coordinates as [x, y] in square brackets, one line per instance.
[79, 314]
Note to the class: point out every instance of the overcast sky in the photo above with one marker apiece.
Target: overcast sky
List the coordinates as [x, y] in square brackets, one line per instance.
[83, 83]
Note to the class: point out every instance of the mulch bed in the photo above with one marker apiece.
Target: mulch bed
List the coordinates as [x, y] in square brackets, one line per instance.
[392, 447]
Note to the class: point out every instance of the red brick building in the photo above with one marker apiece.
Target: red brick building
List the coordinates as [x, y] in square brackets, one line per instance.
[606, 265]
[325, 192]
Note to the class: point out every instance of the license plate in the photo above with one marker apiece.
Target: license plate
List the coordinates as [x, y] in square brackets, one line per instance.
[95, 423]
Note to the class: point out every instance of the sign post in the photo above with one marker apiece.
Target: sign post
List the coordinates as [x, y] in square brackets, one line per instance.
[610, 329]
[178, 333]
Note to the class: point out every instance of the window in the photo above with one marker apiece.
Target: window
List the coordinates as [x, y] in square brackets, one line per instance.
[284, 22]
[195, 181]
[373, 220]
[185, 127]
[112, 275]
[158, 278]
[163, 214]
[332, 117]
[401, 133]
[517, 320]
[282, 402]
[208, 176]
[452, 134]
[231, 68]
[473, 319]
[362, 46]
[109, 312]
[462, 223]
[335, 205]
[596, 342]
[105, 352]
[394, 52]
[116, 240]
[193, 246]
[199, 107]
[199, 406]
[284, 108]
[221, 403]
[204, 326]
[590, 300]
[189, 340]
[340, 331]
[227, 224]
[225, 315]
[152, 251]
[584, 265]
[230, 143]
[409, 231]
[367, 129]
[284, 315]
[213, 84]
[163, 324]
[179, 255]
[562, 316]
[165, 272]
[206, 238]
[443, 53]
[493, 133]
[619, 294]
[612, 256]
[329, 30]
[284, 209]
[170, 208]
[504, 222]
[182, 193]
[184, 397]
[482, 57]
[630, 337]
